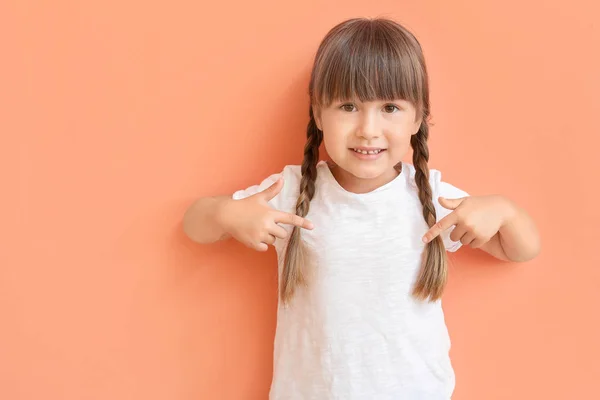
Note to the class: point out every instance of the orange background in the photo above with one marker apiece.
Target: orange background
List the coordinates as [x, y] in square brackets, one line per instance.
[116, 115]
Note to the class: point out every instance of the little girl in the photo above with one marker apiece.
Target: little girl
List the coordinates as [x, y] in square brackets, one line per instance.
[362, 239]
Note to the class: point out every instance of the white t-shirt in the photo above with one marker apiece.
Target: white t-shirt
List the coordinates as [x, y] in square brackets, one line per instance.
[355, 332]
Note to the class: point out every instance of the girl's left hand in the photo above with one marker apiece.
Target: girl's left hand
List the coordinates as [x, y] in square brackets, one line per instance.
[477, 219]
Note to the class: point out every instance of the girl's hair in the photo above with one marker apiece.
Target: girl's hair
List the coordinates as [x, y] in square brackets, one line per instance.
[372, 59]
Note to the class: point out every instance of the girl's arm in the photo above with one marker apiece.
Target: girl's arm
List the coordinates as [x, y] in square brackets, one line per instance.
[518, 238]
[202, 221]
[251, 221]
[493, 223]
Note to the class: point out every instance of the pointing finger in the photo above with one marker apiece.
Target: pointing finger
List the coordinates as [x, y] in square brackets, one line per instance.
[292, 219]
[443, 224]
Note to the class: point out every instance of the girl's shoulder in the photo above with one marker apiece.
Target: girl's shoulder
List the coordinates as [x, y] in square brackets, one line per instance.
[410, 172]
[291, 175]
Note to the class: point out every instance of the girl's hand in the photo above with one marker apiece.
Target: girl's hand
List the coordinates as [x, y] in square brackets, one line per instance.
[254, 223]
[477, 219]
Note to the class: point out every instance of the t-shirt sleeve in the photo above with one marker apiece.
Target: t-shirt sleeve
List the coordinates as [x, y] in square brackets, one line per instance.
[280, 201]
[444, 189]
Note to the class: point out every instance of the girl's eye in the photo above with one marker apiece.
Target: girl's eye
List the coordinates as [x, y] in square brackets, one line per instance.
[390, 108]
[347, 107]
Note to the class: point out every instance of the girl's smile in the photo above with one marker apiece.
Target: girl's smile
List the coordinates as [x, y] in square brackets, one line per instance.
[367, 153]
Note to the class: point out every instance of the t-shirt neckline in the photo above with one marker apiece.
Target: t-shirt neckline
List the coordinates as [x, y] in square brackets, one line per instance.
[334, 182]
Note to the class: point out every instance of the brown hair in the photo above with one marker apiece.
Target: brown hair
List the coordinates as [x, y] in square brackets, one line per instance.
[372, 59]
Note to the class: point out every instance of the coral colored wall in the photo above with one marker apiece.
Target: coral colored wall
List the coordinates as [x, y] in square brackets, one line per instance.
[115, 115]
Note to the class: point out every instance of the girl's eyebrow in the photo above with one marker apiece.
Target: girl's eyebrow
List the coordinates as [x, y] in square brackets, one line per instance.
[372, 101]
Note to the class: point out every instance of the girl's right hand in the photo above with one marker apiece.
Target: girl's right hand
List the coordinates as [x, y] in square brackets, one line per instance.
[254, 223]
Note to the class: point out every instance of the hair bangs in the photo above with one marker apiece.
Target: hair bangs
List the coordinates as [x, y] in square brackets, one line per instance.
[368, 61]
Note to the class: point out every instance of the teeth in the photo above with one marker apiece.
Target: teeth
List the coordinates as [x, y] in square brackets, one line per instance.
[367, 152]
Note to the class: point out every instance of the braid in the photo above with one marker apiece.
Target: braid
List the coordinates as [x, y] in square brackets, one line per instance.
[296, 255]
[309, 167]
[434, 270]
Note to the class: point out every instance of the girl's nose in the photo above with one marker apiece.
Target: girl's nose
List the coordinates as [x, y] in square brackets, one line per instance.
[369, 127]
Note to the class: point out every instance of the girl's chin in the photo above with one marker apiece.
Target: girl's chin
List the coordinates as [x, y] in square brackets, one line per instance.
[371, 172]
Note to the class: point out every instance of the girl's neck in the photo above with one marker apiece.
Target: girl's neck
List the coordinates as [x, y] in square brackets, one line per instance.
[357, 185]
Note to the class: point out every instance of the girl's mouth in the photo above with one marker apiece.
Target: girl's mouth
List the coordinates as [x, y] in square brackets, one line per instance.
[367, 153]
[363, 150]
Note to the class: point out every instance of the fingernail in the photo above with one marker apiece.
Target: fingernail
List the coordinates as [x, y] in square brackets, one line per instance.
[424, 239]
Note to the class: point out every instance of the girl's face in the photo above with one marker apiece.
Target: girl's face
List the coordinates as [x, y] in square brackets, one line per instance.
[366, 140]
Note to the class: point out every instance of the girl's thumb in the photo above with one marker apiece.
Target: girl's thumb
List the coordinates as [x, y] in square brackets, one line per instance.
[450, 204]
[274, 189]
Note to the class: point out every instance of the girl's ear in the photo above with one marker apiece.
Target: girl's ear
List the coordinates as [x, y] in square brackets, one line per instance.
[417, 125]
[317, 116]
